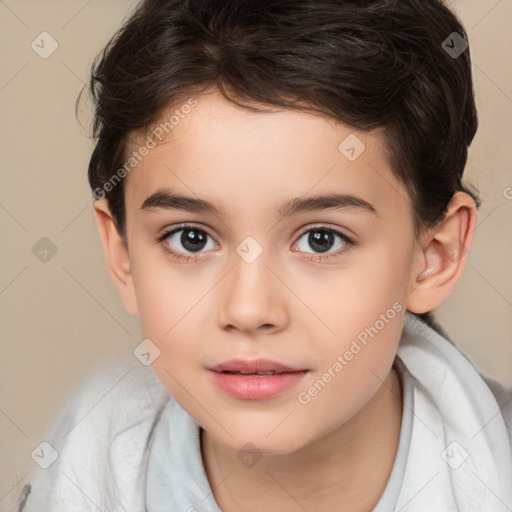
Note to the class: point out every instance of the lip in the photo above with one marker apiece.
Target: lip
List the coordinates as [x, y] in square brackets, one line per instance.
[239, 378]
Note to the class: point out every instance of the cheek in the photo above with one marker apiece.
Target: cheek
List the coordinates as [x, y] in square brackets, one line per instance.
[172, 318]
[354, 298]
[167, 293]
[170, 310]
[364, 312]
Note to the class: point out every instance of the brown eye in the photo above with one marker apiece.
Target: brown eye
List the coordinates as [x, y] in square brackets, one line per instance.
[326, 243]
[193, 239]
[322, 240]
[188, 239]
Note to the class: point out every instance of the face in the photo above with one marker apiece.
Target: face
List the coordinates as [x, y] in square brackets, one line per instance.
[276, 292]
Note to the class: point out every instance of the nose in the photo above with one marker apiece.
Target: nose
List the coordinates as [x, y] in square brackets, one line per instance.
[252, 298]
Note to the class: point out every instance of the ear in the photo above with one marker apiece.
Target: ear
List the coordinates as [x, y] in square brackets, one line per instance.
[116, 253]
[441, 256]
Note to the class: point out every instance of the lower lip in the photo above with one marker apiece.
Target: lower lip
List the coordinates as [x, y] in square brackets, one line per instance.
[256, 387]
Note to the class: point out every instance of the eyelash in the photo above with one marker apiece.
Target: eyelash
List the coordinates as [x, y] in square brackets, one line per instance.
[349, 242]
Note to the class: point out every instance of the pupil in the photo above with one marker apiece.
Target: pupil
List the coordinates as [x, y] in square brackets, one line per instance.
[321, 241]
[193, 240]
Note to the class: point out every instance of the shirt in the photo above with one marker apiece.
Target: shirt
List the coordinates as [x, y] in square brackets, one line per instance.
[124, 444]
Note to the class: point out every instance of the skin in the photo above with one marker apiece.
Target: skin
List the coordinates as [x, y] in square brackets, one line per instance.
[283, 306]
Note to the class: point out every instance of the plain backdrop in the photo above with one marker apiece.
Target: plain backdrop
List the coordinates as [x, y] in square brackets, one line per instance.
[61, 316]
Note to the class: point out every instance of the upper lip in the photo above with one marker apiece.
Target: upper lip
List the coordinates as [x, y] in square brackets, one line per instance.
[253, 366]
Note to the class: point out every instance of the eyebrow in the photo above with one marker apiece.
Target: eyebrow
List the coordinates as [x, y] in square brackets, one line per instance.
[166, 199]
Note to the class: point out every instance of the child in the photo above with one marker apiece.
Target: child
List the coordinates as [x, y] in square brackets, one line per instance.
[278, 189]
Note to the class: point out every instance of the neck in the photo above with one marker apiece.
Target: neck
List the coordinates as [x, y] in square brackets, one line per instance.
[350, 465]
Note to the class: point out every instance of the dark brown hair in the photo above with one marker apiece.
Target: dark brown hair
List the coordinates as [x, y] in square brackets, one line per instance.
[373, 64]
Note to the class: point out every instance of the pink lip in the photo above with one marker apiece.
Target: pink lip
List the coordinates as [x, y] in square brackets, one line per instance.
[247, 384]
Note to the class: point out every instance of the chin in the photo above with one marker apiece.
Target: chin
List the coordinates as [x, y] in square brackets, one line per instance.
[258, 440]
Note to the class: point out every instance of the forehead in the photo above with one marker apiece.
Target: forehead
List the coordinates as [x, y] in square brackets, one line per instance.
[244, 160]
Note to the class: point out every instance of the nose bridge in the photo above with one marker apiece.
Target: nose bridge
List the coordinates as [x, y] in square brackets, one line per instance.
[251, 275]
[252, 297]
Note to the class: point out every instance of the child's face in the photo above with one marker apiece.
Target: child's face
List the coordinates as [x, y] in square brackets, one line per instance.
[231, 302]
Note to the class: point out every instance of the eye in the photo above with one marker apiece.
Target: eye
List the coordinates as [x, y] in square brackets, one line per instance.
[323, 240]
[185, 240]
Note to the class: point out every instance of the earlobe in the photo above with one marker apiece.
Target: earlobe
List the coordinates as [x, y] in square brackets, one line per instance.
[442, 256]
[116, 253]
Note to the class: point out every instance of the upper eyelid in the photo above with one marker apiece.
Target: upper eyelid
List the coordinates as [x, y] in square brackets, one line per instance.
[166, 232]
[326, 227]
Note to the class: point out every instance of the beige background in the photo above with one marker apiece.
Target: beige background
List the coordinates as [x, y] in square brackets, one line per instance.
[62, 317]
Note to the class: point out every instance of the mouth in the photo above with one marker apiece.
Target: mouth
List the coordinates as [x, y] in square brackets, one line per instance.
[254, 367]
[257, 379]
